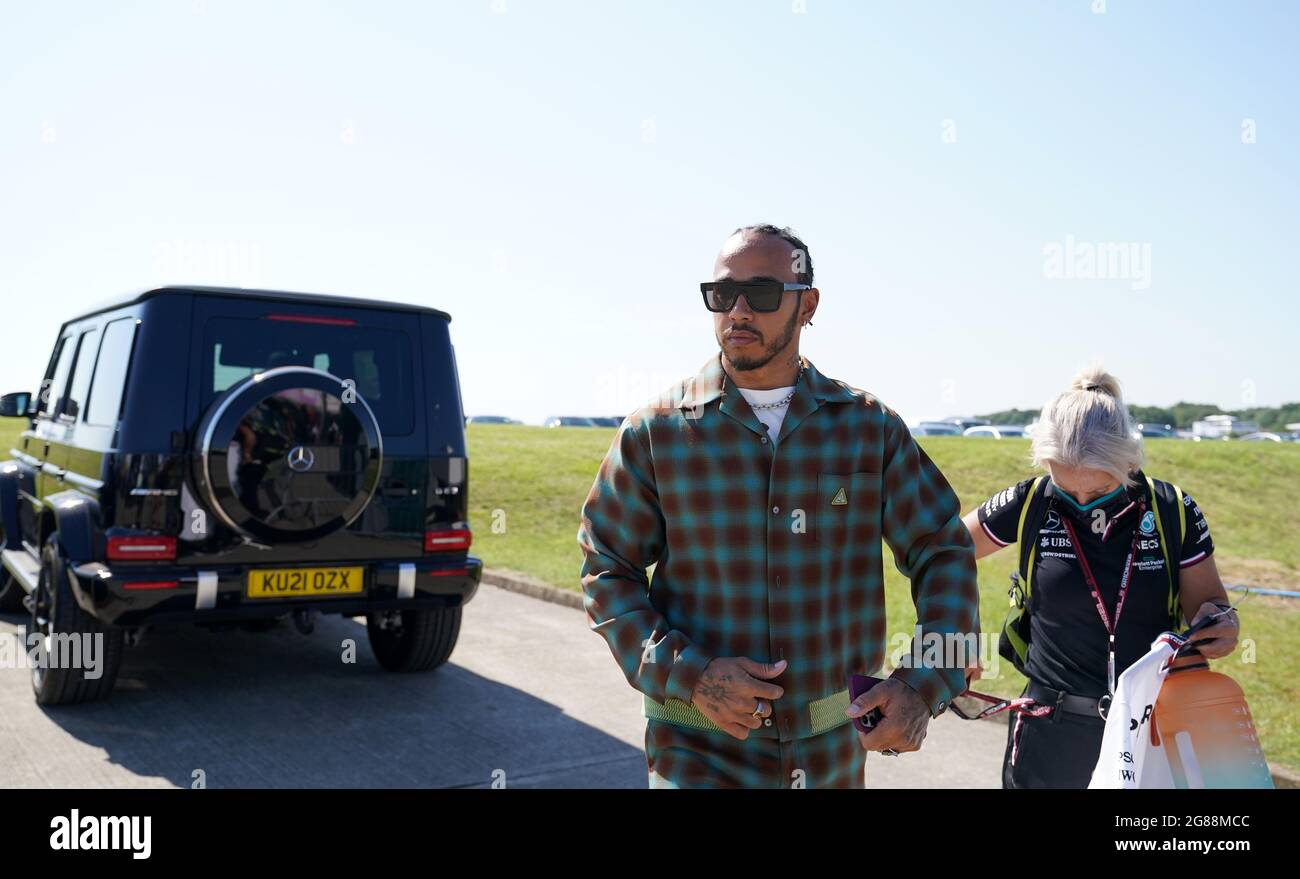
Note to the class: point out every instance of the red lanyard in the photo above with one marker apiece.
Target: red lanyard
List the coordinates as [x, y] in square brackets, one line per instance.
[1096, 591]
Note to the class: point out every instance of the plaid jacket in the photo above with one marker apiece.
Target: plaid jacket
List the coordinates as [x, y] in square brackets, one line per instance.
[770, 553]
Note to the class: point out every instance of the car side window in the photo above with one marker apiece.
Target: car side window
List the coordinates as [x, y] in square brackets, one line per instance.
[53, 388]
[82, 372]
[105, 403]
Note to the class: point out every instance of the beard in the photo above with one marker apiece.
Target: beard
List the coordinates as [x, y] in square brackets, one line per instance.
[743, 363]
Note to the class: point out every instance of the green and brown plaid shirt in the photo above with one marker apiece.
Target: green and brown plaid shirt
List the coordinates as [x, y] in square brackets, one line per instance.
[770, 551]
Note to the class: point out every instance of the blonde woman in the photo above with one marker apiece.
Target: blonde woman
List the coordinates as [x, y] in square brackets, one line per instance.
[1107, 574]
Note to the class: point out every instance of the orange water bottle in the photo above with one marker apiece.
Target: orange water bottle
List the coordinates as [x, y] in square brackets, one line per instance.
[1208, 735]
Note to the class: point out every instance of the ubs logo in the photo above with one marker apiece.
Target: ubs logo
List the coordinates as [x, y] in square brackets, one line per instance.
[301, 459]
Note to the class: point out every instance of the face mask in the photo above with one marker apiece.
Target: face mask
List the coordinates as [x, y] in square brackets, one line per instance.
[1083, 508]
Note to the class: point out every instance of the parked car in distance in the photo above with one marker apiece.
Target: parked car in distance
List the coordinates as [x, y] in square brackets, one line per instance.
[995, 431]
[1262, 436]
[1155, 430]
[491, 419]
[963, 423]
[606, 421]
[217, 458]
[936, 428]
[568, 421]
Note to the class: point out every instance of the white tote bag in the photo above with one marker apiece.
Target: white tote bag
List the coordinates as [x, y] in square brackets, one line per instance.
[1128, 760]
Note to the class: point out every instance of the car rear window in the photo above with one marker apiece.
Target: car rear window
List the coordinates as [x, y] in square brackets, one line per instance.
[377, 360]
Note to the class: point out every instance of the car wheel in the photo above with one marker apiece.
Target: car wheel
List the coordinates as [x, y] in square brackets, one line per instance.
[57, 619]
[11, 592]
[413, 640]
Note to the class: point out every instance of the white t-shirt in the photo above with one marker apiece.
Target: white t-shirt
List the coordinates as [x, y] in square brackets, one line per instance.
[771, 417]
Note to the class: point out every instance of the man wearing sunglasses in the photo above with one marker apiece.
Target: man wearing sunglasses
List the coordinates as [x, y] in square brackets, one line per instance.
[761, 490]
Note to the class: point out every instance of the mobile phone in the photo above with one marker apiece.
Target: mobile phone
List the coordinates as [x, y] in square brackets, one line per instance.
[859, 684]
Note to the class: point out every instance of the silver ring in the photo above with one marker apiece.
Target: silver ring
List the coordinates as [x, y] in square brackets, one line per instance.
[758, 712]
[889, 752]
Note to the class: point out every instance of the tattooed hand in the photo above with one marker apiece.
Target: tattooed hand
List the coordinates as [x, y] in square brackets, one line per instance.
[732, 688]
[906, 717]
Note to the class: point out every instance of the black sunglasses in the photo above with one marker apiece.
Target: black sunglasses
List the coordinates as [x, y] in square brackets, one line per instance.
[762, 295]
[977, 706]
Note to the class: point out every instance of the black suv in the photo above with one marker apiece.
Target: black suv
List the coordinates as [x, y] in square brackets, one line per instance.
[234, 457]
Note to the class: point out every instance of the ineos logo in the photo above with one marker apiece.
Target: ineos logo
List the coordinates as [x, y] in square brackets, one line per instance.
[301, 459]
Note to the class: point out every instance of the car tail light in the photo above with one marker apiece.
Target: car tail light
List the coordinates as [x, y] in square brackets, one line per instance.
[142, 587]
[313, 319]
[449, 572]
[141, 549]
[447, 540]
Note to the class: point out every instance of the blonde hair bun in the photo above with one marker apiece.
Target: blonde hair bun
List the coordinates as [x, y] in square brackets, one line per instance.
[1096, 378]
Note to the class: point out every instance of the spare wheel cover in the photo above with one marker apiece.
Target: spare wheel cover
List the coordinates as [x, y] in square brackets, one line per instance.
[289, 454]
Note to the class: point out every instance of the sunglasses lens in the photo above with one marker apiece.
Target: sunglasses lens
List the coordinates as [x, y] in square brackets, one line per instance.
[764, 295]
[718, 297]
[967, 707]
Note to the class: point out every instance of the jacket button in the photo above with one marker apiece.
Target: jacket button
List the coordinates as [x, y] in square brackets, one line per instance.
[767, 721]
[776, 509]
[763, 440]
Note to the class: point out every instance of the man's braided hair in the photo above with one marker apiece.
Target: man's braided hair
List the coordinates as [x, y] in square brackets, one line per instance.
[787, 235]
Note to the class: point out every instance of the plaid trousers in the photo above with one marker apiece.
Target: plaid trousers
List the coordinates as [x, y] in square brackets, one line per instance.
[681, 757]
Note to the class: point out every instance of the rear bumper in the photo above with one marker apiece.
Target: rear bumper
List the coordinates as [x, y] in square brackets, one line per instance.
[219, 594]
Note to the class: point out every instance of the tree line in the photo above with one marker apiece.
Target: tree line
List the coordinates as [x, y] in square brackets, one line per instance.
[1180, 415]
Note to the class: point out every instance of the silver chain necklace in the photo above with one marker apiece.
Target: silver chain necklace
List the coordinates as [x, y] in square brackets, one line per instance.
[788, 397]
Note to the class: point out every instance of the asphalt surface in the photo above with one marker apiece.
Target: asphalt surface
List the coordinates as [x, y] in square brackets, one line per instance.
[530, 698]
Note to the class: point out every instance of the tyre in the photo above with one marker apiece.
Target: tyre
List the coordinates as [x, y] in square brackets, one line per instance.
[413, 640]
[11, 592]
[55, 613]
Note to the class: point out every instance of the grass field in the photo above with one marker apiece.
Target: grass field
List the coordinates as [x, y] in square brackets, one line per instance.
[531, 482]
[528, 483]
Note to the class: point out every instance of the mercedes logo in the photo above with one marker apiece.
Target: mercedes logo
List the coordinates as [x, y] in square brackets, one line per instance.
[301, 459]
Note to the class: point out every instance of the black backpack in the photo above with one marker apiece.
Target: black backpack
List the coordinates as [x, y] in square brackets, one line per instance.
[1013, 643]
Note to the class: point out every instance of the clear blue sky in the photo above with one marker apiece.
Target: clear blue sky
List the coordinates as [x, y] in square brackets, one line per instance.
[560, 175]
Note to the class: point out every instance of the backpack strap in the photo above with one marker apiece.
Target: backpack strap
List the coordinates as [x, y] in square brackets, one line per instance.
[1013, 644]
[1031, 520]
[1179, 519]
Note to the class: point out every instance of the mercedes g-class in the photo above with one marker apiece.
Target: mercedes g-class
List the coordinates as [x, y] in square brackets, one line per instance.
[222, 457]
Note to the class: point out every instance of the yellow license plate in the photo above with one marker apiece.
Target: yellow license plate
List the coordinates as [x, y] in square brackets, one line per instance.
[305, 582]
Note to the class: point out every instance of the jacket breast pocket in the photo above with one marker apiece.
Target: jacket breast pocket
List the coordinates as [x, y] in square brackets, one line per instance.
[848, 509]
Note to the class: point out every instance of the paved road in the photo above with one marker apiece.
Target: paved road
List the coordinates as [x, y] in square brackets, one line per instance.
[529, 692]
